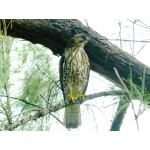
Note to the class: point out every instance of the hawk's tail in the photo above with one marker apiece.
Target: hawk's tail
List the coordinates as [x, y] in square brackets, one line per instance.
[72, 117]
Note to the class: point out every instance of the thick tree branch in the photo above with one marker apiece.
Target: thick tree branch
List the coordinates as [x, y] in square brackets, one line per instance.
[103, 55]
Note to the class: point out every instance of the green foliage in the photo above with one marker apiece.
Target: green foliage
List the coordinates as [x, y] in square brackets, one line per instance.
[29, 83]
[131, 93]
[26, 74]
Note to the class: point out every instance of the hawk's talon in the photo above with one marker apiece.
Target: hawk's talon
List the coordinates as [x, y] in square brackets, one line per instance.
[71, 97]
[82, 96]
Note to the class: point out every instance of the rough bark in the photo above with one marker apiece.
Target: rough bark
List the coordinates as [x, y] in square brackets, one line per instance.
[103, 55]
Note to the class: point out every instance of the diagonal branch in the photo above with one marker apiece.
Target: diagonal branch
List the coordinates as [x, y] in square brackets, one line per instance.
[25, 101]
[56, 107]
[123, 106]
[58, 120]
[3, 107]
[120, 113]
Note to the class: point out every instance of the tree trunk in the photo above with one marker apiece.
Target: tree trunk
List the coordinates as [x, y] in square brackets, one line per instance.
[103, 55]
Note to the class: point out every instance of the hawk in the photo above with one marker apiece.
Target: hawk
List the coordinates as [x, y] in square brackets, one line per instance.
[74, 76]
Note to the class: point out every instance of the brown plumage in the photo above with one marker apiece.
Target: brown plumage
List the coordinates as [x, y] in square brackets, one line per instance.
[74, 76]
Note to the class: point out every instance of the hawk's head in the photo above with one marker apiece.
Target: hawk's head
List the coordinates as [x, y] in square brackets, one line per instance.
[78, 40]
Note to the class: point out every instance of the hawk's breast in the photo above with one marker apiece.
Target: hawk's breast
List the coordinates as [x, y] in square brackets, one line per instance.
[75, 71]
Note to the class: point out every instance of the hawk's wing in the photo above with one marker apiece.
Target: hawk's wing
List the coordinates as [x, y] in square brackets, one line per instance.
[88, 75]
[61, 72]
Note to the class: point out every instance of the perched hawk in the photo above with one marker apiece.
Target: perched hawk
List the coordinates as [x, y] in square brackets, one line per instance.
[74, 76]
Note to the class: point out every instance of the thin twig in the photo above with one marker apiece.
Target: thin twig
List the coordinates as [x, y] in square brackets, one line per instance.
[45, 100]
[120, 33]
[4, 110]
[59, 121]
[86, 22]
[30, 110]
[133, 32]
[51, 91]
[23, 101]
[146, 26]
[135, 115]
[121, 81]
[43, 72]
[109, 105]
[139, 50]
[6, 69]
[48, 77]
[137, 41]
[129, 96]
[8, 105]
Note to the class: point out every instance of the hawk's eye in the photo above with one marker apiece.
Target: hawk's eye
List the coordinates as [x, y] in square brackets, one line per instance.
[83, 36]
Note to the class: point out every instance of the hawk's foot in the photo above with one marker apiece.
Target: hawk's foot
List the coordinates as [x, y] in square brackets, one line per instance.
[71, 97]
[82, 96]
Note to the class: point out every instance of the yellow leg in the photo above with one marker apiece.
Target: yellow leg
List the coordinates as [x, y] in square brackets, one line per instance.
[82, 96]
[72, 97]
